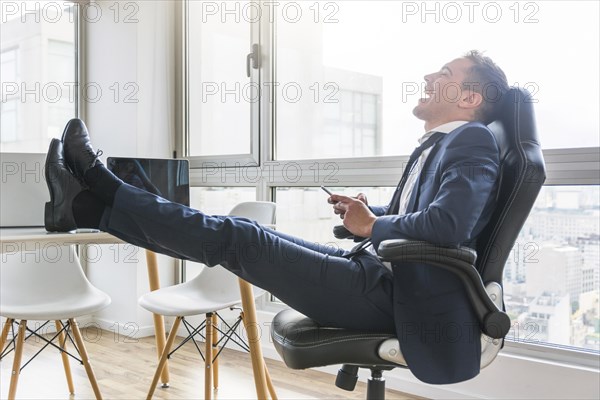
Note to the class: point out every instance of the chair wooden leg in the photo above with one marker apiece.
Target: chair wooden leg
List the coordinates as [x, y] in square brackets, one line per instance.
[208, 358]
[215, 350]
[85, 358]
[65, 358]
[270, 384]
[7, 324]
[14, 379]
[163, 357]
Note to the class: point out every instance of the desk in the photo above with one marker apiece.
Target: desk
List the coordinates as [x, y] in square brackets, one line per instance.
[21, 239]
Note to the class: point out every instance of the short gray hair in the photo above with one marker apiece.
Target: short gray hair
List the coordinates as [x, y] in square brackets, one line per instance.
[487, 79]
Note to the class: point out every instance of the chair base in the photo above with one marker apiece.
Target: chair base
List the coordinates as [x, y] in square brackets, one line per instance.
[214, 345]
[18, 342]
[348, 376]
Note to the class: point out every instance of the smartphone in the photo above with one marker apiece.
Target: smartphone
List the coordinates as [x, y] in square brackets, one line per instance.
[327, 190]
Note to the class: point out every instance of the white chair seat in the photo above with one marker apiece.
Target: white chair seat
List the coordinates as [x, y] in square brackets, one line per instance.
[68, 305]
[213, 289]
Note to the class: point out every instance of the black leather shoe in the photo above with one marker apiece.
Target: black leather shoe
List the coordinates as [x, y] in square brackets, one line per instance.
[79, 154]
[63, 187]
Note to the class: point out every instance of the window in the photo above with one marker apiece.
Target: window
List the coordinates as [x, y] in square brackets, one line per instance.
[325, 49]
[61, 58]
[10, 99]
[221, 95]
[338, 84]
[303, 211]
[39, 63]
[552, 276]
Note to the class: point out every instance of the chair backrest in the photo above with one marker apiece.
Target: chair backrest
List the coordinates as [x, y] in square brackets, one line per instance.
[262, 212]
[40, 276]
[222, 284]
[522, 174]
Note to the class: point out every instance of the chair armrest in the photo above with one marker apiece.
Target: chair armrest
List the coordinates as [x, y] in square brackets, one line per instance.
[461, 262]
[410, 251]
[340, 232]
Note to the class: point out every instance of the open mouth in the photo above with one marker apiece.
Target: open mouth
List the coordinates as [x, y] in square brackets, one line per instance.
[428, 94]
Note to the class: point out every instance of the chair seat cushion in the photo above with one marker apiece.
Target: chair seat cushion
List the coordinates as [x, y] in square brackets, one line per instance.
[303, 343]
[67, 305]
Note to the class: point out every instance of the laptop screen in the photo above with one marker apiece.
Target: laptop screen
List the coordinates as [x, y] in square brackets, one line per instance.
[167, 178]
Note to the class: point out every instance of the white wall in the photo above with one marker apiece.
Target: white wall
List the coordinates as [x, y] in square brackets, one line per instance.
[135, 62]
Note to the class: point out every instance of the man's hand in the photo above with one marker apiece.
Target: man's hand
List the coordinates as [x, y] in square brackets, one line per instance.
[357, 217]
[341, 210]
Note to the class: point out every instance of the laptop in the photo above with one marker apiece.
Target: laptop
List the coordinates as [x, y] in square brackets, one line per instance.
[23, 190]
[167, 178]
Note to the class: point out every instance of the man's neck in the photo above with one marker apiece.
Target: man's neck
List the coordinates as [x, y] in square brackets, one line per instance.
[445, 127]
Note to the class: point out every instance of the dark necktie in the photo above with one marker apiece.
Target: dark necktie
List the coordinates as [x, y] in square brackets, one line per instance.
[395, 203]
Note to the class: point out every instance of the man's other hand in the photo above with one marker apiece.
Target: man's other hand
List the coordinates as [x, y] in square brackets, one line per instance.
[357, 217]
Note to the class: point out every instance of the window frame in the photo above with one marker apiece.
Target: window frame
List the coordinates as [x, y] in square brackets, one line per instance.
[227, 160]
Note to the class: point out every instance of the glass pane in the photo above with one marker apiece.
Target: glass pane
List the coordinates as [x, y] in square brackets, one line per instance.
[552, 276]
[220, 93]
[219, 200]
[38, 63]
[369, 49]
[304, 211]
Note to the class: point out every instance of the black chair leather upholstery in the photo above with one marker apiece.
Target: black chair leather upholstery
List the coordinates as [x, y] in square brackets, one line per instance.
[302, 343]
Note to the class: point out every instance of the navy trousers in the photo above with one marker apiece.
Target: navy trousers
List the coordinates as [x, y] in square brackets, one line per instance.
[312, 278]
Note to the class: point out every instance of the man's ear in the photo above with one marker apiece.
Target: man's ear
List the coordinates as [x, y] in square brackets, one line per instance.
[470, 99]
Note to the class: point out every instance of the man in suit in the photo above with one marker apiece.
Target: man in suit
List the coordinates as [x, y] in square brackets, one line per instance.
[446, 197]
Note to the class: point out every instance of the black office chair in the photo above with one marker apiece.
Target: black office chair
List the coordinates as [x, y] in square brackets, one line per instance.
[302, 343]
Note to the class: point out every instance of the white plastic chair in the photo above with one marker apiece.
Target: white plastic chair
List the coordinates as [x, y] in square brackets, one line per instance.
[214, 289]
[48, 285]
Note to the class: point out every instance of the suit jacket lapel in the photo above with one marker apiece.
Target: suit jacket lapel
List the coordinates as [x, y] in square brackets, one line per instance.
[412, 205]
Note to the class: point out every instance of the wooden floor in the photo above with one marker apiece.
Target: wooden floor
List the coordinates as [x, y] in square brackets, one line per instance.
[124, 369]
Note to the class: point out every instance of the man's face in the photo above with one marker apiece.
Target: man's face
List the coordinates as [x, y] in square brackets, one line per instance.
[444, 95]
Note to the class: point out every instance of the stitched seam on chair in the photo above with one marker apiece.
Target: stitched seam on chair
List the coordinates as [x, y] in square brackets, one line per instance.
[337, 340]
[327, 342]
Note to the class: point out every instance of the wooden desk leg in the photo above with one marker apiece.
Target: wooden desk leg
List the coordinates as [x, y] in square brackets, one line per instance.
[159, 321]
[253, 332]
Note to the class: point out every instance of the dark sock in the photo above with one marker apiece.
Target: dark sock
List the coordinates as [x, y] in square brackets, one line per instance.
[102, 183]
[87, 210]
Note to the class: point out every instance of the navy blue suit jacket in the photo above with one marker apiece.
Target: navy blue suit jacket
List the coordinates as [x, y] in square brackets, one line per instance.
[452, 201]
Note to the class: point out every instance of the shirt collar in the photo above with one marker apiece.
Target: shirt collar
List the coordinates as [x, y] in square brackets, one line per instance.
[444, 128]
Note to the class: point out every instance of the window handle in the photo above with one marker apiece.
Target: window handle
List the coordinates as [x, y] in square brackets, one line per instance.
[254, 57]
